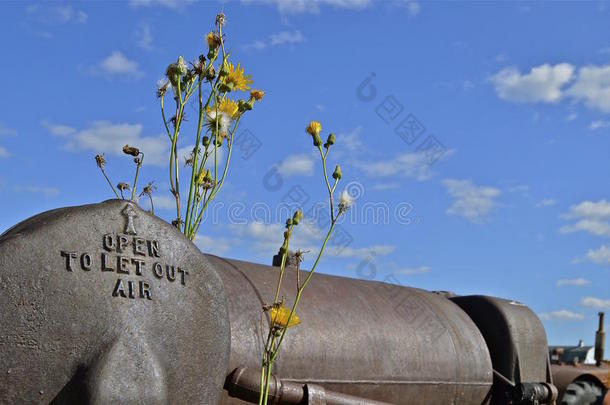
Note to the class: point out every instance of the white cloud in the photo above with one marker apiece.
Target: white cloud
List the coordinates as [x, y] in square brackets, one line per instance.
[351, 140]
[600, 256]
[385, 186]
[267, 239]
[547, 202]
[414, 165]
[58, 129]
[577, 282]
[45, 191]
[410, 271]
[296, 164]
[171, 4]
[144, 37]
[542, 84]
[55, 14]
[312, 6]
[278, 39]
[286, 37]
[117, 64]
[216, 246]
[592, 86]
[4, 153]
[6, 131]
[591, 217]
[562, 314]
[471, 201]
[594, 302]
[571, 117]
[108, 137]
[599, 124]
[413, 8]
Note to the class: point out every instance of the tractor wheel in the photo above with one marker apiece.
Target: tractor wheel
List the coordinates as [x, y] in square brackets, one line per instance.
[583, 393]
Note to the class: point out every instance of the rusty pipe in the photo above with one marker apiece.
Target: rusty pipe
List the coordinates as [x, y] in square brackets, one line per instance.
[244, 383]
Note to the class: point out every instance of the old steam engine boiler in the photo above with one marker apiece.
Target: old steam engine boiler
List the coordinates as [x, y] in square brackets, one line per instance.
[107, 304]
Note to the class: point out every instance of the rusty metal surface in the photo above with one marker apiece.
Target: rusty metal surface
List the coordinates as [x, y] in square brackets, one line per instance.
[516, 340]
[72, 333]
[361, 338]
[244, 383]
[564, 374]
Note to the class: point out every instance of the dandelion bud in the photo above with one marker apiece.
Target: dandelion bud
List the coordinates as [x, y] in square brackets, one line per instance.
[317, 141]
[122, 186]
[100, 161]
[181, 66]
[297, 217]
[331, 139]
[205, 141]
[220, 19]
[244, 105]
[288, 223]
[131, 150]
[257, 94]
[213, 41]
[314, 129]
[337, 173]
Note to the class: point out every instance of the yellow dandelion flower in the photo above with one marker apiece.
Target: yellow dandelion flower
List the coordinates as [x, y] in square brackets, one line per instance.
[279, 317]
[314, 128]
[226, 106]
[235, 77]
[257, 94]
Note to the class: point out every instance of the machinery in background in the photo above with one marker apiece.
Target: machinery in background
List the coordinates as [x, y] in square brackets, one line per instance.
[580, 383]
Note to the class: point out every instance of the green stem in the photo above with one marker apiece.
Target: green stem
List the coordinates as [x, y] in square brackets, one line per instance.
[110, 183]
[135, 180]
[330, 191]
[187, 225]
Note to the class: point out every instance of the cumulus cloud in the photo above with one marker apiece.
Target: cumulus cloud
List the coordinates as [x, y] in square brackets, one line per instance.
[541, 84]
[595, 302]
[170, 4]
[116, 65]
[50, 14]
[592, 217]
[278, 39]
[599, 124]
[413, 165]
[108, 137]
[268, 238]
[214, 245]
[576, 282]
[301, 164]
[4, 153]
[144, 37]
[592, 86]
[311, 6]
[6, 131]
[600, 256]
[472, 202]
[562, 314]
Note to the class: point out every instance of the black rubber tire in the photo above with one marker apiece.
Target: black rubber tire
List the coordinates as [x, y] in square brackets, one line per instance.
[583, 393]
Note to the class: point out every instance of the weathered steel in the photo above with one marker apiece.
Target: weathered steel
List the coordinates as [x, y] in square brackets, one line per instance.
[244, 383]
[516, 340]
[89, 317]
[363, 338]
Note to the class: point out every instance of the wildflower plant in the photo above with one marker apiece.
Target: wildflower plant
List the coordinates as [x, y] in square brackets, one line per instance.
[222, 93]
[219, 114]
[281, 317]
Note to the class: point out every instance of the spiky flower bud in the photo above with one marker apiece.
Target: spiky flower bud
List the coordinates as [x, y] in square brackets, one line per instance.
[288, 223]
[337, 173]
[122, 186]
[100, 161]
[297, 217]
[331, 139]
[131, 150]
[210, 74]
[257, 94]
[220, 19]
[205, 141]
[317, 141]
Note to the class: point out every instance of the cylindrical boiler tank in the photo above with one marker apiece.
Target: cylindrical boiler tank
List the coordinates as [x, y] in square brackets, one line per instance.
[364, 338]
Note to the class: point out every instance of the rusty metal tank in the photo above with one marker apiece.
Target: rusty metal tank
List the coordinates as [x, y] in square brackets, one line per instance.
[367, 339]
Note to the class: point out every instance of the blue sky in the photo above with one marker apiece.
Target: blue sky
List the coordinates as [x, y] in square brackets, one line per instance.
[512, 200]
